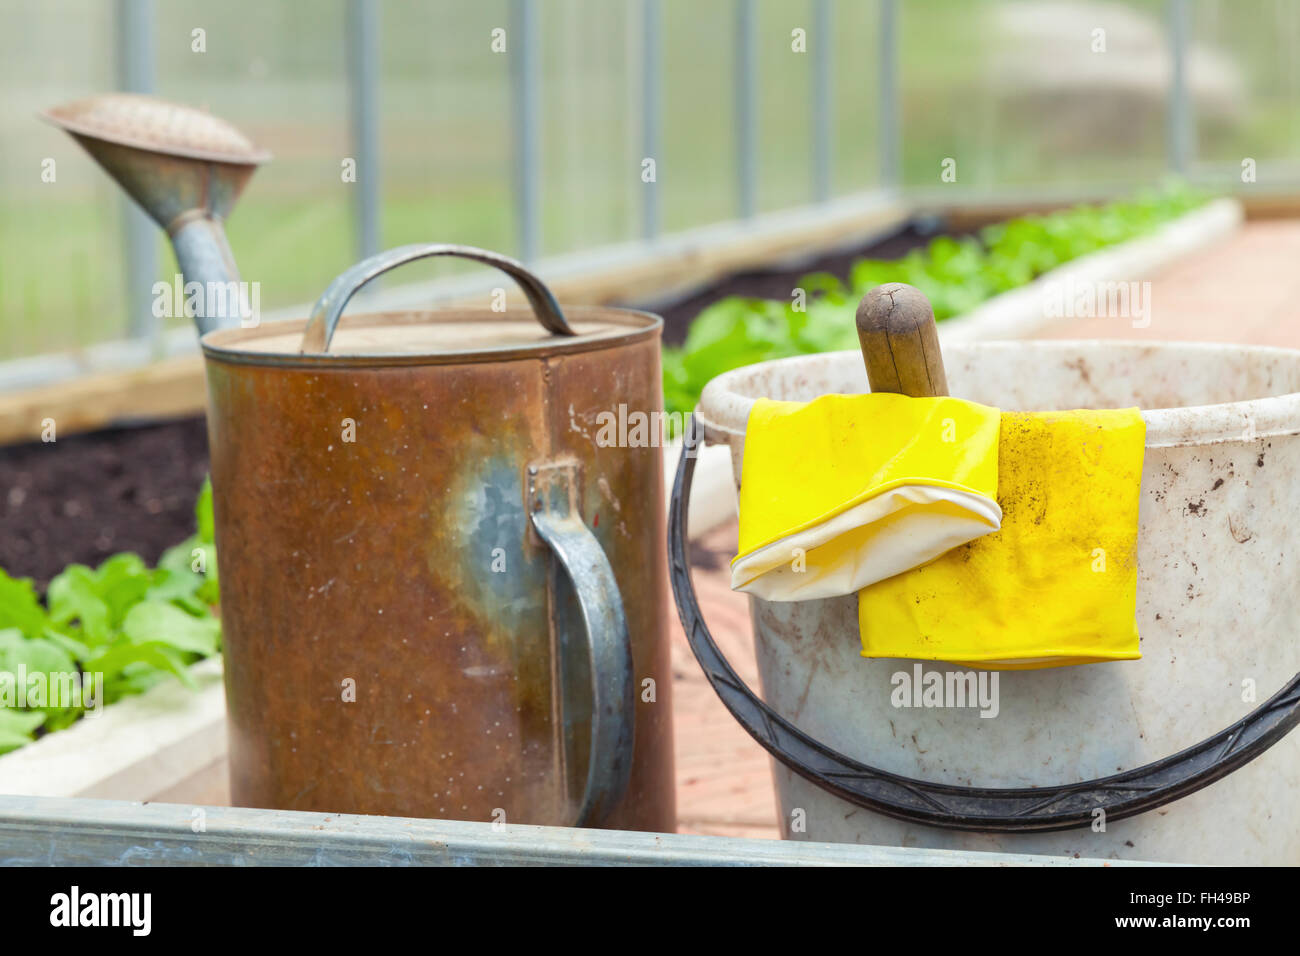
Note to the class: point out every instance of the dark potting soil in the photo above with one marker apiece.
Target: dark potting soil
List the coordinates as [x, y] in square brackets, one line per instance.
[85, 497]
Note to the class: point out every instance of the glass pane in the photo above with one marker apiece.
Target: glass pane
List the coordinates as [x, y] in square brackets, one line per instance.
[61, 265]
[1244, 81]
[1023, 94]
[445, 128]
[785, 133]
[276, 71]
[855, 88]
[590, 127]
[697, 175]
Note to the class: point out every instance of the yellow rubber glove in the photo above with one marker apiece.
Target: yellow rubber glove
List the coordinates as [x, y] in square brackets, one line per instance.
[846, 490]
[1057, 584]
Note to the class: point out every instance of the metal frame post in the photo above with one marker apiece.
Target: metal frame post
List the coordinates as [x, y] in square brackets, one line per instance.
[526, 99]
[891, 175]
[1180, 124]
[363, 76]
[822, 130]
[135, 74]
[651, 93]
[746, 94]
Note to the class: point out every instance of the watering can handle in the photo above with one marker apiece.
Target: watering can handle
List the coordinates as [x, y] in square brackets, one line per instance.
[329, 307]
[942, 805]
[553, 510]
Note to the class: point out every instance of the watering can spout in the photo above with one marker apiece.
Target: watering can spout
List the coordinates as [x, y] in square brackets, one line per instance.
[186, 169]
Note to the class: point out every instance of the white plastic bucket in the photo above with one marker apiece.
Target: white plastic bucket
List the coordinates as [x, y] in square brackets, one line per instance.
[1218, 608]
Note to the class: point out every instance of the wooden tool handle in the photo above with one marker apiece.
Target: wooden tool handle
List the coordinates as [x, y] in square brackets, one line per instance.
[900, 343]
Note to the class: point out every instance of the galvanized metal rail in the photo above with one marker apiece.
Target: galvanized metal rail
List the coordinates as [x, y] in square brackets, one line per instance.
[56, 831]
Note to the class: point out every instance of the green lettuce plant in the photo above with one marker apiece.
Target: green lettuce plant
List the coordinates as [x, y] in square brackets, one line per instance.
[126, 623]
[956, 274]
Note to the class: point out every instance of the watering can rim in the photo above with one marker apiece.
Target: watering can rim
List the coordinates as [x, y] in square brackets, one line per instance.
[623, 327]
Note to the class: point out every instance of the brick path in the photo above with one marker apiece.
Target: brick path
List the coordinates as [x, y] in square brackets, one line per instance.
[1245, 289]
[724, 782]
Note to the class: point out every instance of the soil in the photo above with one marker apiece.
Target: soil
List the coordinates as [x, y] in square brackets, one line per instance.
[85, 497]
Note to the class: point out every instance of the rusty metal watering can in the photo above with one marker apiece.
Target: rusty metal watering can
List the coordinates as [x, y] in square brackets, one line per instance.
[441, 594]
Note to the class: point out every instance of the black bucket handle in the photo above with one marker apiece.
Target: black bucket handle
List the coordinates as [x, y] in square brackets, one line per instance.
[1017, 810]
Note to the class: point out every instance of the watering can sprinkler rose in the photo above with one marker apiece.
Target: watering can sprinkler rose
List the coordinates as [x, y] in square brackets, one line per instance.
[440, 595]
[186, 169]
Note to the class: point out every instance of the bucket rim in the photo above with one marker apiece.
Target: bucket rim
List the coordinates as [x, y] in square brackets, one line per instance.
[723, 410]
